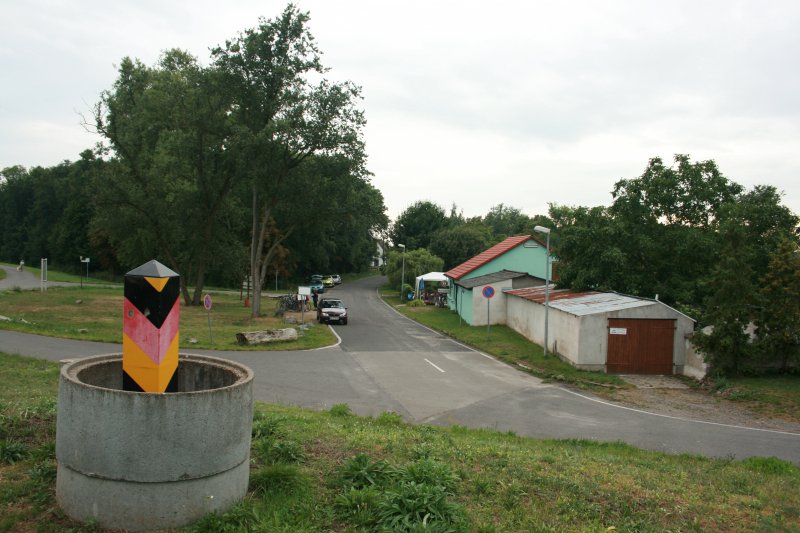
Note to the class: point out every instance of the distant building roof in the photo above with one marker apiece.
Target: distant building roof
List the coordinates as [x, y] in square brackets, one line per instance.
[490, 278]
[492, 253]
[582, 303]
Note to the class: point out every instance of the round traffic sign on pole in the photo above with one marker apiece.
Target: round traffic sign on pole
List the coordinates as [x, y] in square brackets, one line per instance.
[207, 302]
[488, 291]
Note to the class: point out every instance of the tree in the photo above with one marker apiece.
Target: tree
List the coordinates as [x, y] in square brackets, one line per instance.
[729, 307]
[778, 323]
[690, 194]
[456, 244]
[506, 221]
[662, 234]
[167, 189]
[590, 253]
[417, 262]
[281, 119]
[416, 225]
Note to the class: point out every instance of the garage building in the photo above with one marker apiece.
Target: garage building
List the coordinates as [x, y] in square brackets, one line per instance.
[604, 331]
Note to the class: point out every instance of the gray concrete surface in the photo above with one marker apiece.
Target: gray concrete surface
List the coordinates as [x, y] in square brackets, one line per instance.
[140, 462]
[23, 279]
[387, 362]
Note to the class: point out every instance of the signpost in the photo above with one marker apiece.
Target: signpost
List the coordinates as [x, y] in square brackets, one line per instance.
[302, 292]
[207, 305]
[43, 275]
[488, 293]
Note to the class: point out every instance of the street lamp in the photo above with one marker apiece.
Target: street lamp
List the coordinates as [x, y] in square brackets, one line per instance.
[403, 275]
[546, 231]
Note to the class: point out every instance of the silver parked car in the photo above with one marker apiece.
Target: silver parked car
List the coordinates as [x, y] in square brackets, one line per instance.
[331, 311]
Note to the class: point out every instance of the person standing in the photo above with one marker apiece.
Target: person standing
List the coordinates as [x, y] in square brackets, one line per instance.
[314, 297]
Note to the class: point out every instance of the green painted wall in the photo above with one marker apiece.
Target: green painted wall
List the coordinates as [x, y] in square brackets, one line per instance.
[519, 259]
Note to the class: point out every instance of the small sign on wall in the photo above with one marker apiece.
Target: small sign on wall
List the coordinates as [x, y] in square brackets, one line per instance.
[618, 331]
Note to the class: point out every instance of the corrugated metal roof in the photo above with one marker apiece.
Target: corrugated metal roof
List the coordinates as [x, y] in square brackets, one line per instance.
[582, 303]
[492, 253]
[490, 278]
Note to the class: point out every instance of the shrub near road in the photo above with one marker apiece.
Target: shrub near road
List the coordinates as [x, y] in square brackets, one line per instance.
[332, 471]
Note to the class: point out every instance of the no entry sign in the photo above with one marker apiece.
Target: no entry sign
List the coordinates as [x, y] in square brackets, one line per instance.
[488, 291]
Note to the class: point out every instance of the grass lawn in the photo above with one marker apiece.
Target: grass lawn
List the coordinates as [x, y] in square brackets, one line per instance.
[95, 314]
[332, 471]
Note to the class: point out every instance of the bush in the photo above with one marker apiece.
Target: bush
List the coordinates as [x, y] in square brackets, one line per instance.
[12, 451]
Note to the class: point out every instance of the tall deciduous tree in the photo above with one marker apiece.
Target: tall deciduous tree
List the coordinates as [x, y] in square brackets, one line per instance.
[730, 307]
[778, 323]
[281, 118]
[168, 186]
[456, 244]
[506, 221]
[416, 226]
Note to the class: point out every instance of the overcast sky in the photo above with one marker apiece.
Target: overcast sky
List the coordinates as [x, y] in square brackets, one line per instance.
[472, 103]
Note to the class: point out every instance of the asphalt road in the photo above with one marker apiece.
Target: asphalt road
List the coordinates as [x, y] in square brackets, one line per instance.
[387, 362]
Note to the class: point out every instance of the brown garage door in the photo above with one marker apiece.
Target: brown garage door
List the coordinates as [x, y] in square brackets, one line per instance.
[640, 346]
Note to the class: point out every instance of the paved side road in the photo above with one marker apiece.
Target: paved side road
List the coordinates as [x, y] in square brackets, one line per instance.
[23, 279]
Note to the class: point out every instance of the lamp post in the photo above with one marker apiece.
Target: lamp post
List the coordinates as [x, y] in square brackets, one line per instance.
[546, 231]
[403, 275]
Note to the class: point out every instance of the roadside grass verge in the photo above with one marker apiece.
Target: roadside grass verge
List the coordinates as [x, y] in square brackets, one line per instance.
[95, 314]
[505, 344]
[333, 471]
[2, 274]
[773, 395]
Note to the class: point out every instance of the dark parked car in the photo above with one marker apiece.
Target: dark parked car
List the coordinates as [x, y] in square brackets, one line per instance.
[330, 311]
[316, 286]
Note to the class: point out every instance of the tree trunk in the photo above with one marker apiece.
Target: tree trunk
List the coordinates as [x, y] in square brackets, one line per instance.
[198, 287]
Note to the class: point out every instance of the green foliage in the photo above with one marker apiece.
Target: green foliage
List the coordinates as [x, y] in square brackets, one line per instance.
[417, 224]
[505, 221]
[340, 409]
[730, 309]
[417, 303]
[390, 418]
[361, 472]
[357, 506]
[417, 263]
[771, 465]
[412, 507]
[274, 451]
[267, 427]
[278, 478]
[12, 451]
[429, 472]
[384, 497]
[778, 322]
[456, 244]
[664, 231]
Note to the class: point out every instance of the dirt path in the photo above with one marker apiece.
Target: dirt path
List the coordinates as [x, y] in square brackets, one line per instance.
[671, 396]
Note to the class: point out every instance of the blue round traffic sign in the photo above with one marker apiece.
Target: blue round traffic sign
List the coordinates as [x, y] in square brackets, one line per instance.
[488, 291]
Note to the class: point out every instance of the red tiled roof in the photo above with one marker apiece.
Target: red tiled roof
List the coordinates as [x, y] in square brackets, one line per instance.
[484, 257]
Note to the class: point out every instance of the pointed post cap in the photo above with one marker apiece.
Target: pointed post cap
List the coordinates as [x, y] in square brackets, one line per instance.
[153, 269]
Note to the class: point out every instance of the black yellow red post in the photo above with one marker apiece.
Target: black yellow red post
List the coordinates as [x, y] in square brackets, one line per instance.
[150, 331]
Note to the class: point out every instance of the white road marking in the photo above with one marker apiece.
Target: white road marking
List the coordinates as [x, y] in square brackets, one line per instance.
[678, 417]
[434, 366]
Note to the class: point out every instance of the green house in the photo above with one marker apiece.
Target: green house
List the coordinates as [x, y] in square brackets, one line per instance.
[476, 286]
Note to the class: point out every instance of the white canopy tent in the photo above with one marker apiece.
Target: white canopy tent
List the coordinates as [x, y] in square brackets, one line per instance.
[430, 277]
